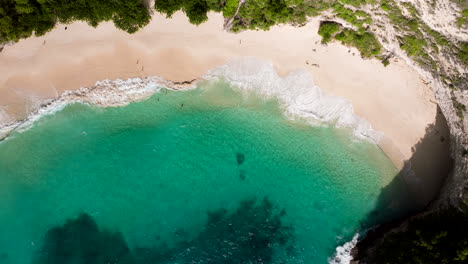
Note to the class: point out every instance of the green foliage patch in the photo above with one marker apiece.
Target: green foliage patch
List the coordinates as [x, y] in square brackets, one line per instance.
[261, 14]
[412, 45]
[22, 18]
[196, 10]
[327, 30]
[366, 42]
[440, 237]
[230, 8]
[462, 20]
[357, 18]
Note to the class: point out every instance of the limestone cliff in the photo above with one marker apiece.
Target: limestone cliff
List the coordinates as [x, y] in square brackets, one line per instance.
[446, 73]
[432, 37]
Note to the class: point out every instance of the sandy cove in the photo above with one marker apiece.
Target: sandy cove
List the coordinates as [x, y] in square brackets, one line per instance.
[394, 99]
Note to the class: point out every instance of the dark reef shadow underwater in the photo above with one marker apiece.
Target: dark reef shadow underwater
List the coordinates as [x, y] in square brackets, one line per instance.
[254, 233]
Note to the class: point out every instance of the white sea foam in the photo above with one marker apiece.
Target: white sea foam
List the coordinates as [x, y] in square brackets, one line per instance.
[5, 118]
[343, 253]
[297, 93]
[105, 93]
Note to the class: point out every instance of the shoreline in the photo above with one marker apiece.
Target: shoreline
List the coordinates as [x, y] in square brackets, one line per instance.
[116, 93]
[104, 93]
[395, 99]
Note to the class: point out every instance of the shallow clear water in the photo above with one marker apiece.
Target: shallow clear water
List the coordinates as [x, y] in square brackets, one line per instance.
[153, 169]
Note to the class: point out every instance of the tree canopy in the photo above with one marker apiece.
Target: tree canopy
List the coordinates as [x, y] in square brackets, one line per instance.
[22, 18]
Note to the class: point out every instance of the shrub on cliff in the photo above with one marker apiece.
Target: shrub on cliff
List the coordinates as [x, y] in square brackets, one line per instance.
[365, 42]
[440, 237]
[327, 29]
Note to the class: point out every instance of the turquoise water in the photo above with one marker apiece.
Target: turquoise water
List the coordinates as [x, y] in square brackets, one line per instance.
[151, 171]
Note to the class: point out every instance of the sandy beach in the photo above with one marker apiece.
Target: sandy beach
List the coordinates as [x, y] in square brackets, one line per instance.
[394, 99]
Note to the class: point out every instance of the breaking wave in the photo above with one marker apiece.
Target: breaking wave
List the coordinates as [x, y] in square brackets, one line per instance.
[297, 93]
[343, 253]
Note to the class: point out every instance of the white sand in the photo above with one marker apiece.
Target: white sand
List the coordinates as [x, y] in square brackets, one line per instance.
[393, 99]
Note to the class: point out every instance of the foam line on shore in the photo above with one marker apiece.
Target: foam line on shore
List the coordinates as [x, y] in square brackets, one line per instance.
[297, 93]
[105, 93]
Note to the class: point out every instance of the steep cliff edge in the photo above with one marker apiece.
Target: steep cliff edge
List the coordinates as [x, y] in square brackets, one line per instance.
[431, 37]
[439, 232]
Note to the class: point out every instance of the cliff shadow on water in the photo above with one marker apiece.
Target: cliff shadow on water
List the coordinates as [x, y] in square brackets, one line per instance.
[414, 187]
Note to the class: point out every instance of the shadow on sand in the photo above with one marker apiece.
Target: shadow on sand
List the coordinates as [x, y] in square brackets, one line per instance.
[416, 185]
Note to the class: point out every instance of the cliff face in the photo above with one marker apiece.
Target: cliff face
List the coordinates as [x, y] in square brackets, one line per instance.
[447, 77]
[455, 190]
[431, 37]
[452, 98]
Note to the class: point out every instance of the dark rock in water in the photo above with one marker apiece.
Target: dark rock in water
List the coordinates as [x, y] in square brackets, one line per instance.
[242, 175]
[240, 158]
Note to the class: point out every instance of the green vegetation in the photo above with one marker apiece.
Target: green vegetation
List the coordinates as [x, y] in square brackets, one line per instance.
[462, 20]
[412, 45]
[362, 39]
[356, 18]
[230, 8]
[327, 30]
[357, 3]
[260, 14]
[463, 52]
[22, 18]
[459, 108]
[253, 14]
[413, 40]
[397, 18]
[196, 10]
[365, 42]
[385, 62]
[440, 237]
[418, 39]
